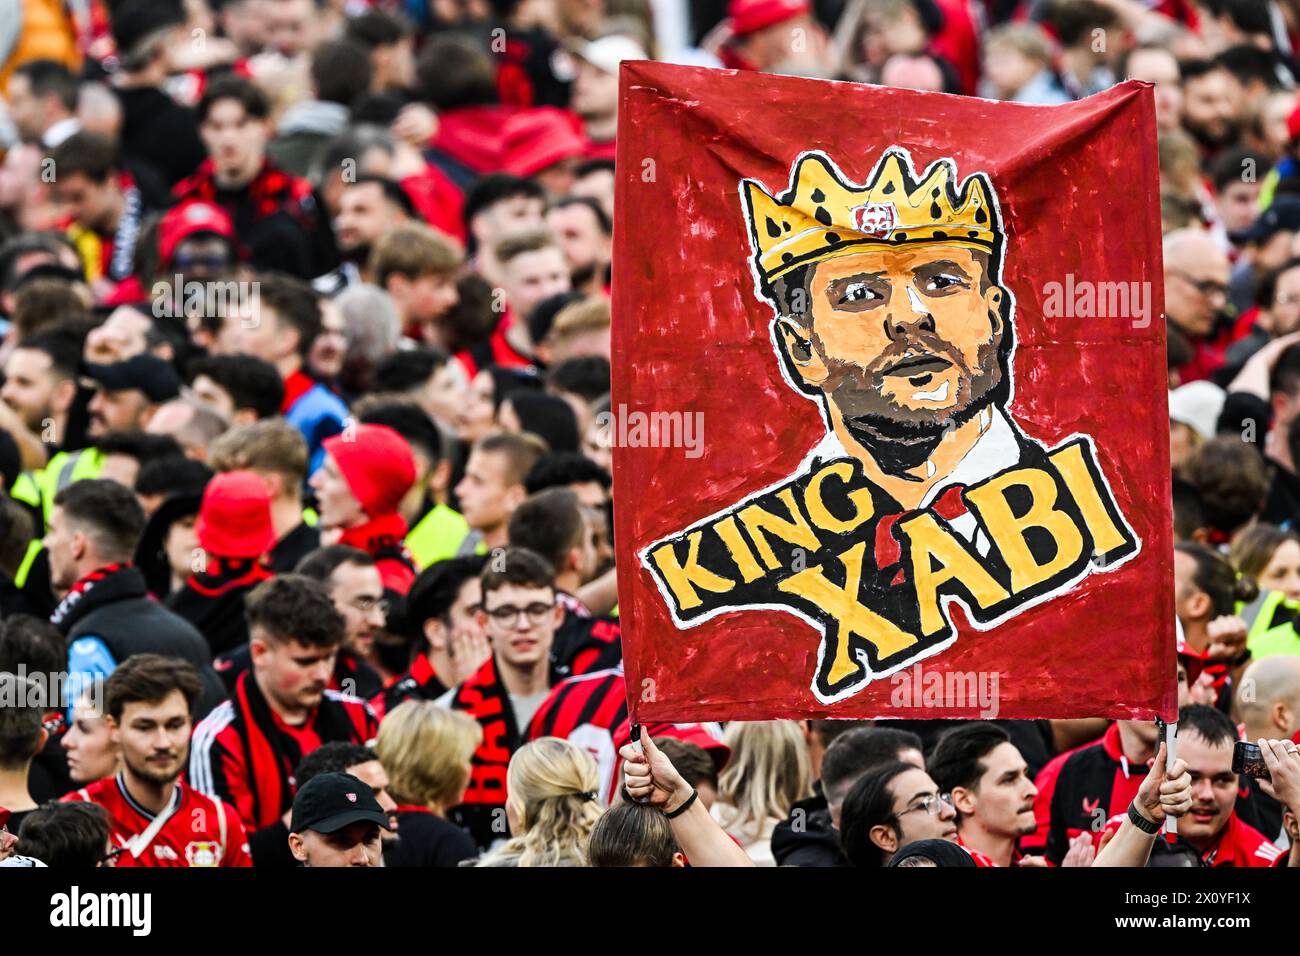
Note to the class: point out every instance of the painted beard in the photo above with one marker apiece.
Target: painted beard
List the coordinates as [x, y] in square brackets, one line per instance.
[900, 438]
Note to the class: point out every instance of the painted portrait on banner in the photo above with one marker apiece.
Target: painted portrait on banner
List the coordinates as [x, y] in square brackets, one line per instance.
[944, 486]
[891, 315]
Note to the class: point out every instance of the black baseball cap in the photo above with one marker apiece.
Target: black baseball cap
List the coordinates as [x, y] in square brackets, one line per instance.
[1282, 216]
[331, 801]
[146, 373]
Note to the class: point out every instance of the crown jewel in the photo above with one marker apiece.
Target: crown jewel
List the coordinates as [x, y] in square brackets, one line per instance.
[822, 216]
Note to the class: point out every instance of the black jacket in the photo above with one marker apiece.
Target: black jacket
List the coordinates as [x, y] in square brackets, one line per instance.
[160, 133]
[110, 611]
[807, 838]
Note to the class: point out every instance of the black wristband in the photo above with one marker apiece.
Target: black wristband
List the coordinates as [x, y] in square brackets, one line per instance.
[686, 805]
[1240, 658]
[1141, 822]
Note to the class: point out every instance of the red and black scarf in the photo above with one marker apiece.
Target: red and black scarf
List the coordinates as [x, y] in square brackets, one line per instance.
[382, 539]
[213, 599]
[113, 582]
[272, 190]
[271, 753]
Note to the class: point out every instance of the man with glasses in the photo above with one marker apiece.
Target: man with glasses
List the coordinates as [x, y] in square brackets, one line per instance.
[1196, 296]
[358, 593]
[889, 807]
[520, 613]
[442, 623]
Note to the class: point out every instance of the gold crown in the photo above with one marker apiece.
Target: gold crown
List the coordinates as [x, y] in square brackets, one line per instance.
[822, 216]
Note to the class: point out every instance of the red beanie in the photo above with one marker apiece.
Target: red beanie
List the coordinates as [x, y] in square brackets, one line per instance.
[235, 517]
[377, 464]
[750, 16]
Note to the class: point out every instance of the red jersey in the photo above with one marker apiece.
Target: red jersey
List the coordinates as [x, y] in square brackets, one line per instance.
[1079, 791]
[194, 830]
[983, 859]
[1240, 844]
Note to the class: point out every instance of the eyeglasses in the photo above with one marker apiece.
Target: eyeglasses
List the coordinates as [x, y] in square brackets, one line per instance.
[930, 804]
[367, 604]
[1206, 287]
[508, 614]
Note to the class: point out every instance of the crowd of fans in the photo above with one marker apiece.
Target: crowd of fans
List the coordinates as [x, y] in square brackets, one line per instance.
[306, 556]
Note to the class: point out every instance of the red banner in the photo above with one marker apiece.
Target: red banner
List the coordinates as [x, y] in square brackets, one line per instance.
[889, 412]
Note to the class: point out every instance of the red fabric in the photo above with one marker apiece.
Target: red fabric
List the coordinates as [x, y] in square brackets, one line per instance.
[750, 16]
[235, 517]
[381, 538]
[597, 150]
[189, 219]
[1124, 787]
[272, 190]
[959, 42]
[1240, 844]
[437, 200]
[233, 755]
[298, 384]
[537, 139]
[983, 860]
[192, 836]
[1245, 323]
[378, 465]
[691, 330]
[474, 136]
[1208, 356]
[502, 352]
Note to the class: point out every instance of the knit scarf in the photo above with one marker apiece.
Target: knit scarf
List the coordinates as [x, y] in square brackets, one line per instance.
[271, 753]
[113, 582]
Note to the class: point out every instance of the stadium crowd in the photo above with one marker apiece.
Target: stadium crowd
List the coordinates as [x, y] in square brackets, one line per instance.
[306, 556]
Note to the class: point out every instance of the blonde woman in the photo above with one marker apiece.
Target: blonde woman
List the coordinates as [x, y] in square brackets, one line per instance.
[768, 771]
[425, 750]
[552, 807]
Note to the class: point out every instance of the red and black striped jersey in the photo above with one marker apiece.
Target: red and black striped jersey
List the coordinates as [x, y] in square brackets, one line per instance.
[194, 830]
[585, 644]
[1079, 791]
[245, 753]
[586, 710]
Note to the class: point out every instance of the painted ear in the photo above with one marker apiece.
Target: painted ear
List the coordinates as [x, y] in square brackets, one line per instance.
[994, 298]
[797, 343]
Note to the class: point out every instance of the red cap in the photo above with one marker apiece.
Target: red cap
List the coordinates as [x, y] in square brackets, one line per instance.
[749, 16]
[235, 517]
[697, 734]
[187, 220]
[539, 138]
[377, 464]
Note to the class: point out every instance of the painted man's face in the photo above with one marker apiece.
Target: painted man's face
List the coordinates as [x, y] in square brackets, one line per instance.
[901, 337]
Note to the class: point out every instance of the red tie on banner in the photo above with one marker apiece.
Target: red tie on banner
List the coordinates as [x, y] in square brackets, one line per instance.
[889, 412]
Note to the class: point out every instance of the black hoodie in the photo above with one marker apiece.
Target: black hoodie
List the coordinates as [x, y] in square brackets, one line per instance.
[807, 838]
